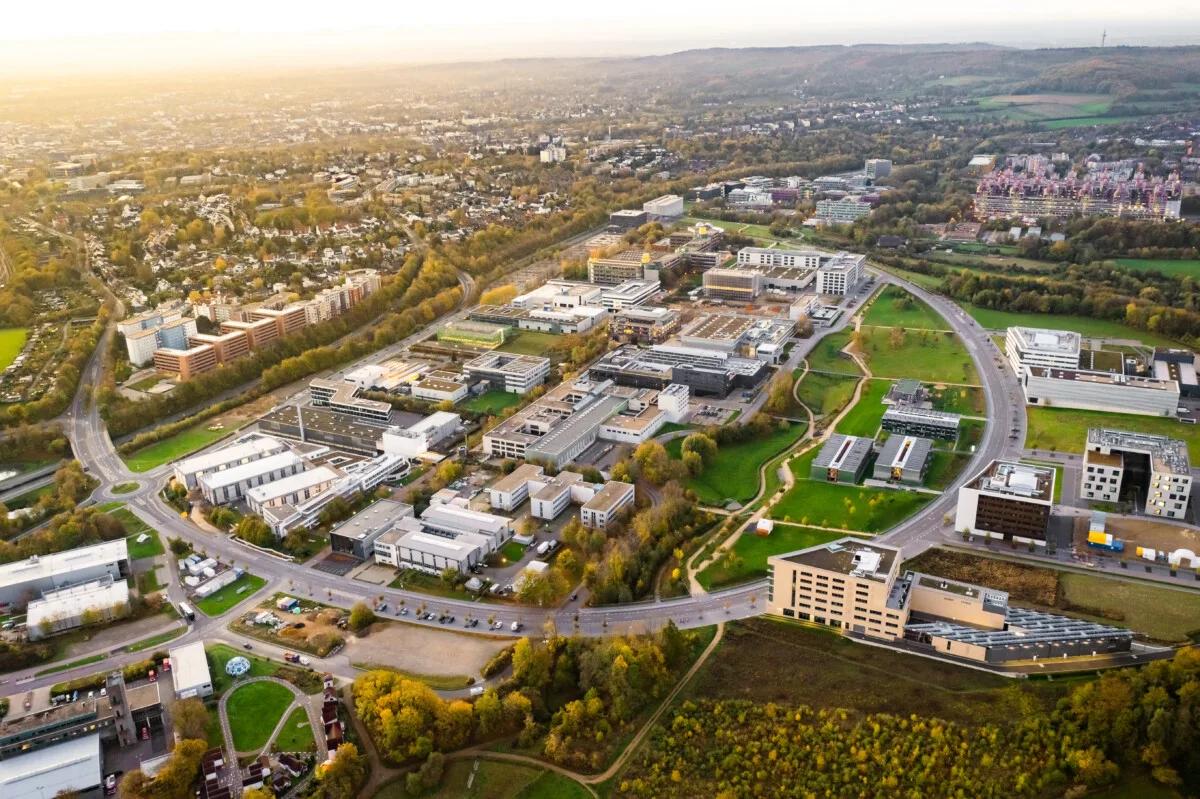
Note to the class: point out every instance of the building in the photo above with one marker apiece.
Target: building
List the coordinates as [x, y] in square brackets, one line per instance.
[289, 319]
[226, 347]
[185, 364]
[665, 208]
[341, 396]
[453, 519]
[627, 219]
[628, 294]
[1099, 391]
[631, 264]
[841, 274]
[164, 326]
[843, 211]
[24, 580]
[780, 258]
[737, 285]
[320, 426]
[559, 295]
[910, 420]
[511, 490]
[842, 459]
[1032, 346]
[643, 324]
[357, 535]
[426, 552]
[441, 385]
[1178, 366]
[904, 459]
[602, 510]
[259, 333]
[516, 374]
[877, 168]
[226, 486]
[101, 600]
[301, 507]
[1154, 470]
[189, 671]
[292, 490]
[470, 333]
[702, 371]
[70, 768]
[906, 392]
[244, 450]
[420, 438]
[1008, 500]
[1032, 195]
[674, 402]
[761, 338]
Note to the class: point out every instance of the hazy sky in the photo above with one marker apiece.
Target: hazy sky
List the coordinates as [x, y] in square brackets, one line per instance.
[118, 35]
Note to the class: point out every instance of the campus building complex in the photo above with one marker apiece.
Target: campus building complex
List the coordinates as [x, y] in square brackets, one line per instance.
[1154, 470]
[1009, 501]
[1032, 196]
[703, 371]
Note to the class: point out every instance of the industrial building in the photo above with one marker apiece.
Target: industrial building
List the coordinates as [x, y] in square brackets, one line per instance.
[631, 264]
[72, 768]
[24, 580]
[910, 420]
[702, 371]
[93, 602]
[243, 450]
[231, 485]
[189, 671]
[857, 588]
[1009, 501]
[1155, 470]
[292, 490]
[1178, 366]
[324, 427]
[516, 374]
[904, 459]
[665, 208]
[842, 459]
[643, 324]
[357, 535]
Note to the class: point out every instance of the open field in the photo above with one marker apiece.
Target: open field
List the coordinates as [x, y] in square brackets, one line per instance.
[734, 473]
[772, 660]
[134, 528]
[869, 510]
[530, 342]
[967, 400]
[254, 710]
[225, 598]
[1164, 614]
[493, 780]
[1058, 124]
[827, 356]
[895, 307]
[752, 551]
[492, 402]
[944, 466]
[929, 356]
[1048, 106]
[824, 394]
[1084, 325]
[863, 419]
[1065, 429]
[1178, 268]
[12, 341]
[297, 733]
[175, 447]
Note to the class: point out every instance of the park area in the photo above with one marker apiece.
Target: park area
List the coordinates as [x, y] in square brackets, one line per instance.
[12, 341]
[175, 447]
[1065, 429]
[296, 735]
[927, 355]
[895, 307]
[846, 507]
[734, 474]
[825, 394]
[1172, 268]
[864, 418]
[254, 711]
[224, 599]
[464, 779]
[531, 342]
[492, 402]
[750, 553]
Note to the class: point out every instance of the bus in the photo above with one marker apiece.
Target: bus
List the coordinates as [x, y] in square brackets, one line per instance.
[186, 611]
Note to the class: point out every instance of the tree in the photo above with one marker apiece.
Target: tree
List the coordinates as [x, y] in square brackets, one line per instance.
[701, 444]
[531, 664]
[257, 793]
[449, 471]
[361, 617]
[342, 777]
[254, 530]
[190, 718]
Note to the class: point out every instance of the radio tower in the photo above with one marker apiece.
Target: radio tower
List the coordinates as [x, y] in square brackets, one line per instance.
[1103, 37]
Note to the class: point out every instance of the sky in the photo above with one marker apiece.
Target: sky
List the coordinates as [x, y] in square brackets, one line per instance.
[65, 36]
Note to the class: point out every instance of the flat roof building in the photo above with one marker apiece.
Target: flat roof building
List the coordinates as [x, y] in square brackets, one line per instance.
[101, 600]
[24, 580]
[292, 490]
[516, 374]
[923, 422]
[1154, 470]
[643, 324]
[356, 536]
[189, 671]
[602, 510]
[1035, 346]
[629, 294]
[703, 371]
[73, 767]
[225, 486]
[904, 459]
[1099, 391]
[1009, 501]
[243, 450]
[341, 396]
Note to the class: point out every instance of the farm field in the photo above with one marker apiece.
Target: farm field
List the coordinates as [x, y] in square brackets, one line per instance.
[752, 550]
[1065, 429]
[868, 510]
[734, 473]
[1166, 267]
[863, 419]
[12, 341]
[895, 307]
[225, 598]
[929, 356]
[492, 402]
[1084, 325]
[175, 447]
[254, 710]
[1048, 106]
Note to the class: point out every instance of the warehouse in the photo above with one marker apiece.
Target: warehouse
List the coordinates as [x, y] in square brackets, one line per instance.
[427, 552]
[69, 768]
[24, 580]
[230, 485]
[904, 459]
[249, 448]
[1099, 391]
[322, 426]
[842, 459]
[92, 602]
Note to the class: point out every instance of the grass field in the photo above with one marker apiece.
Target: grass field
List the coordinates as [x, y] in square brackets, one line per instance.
[297, 733]
[1083, 325]
[772, 660]
[173, 448]
[512, 551]
[1048, 106]
[1059, 124]
[493, 780]
[959, 399]
[943, 468]
[827, 356]
[824, 394]
[895, 307]
[229, 596]
[734, 473]
[869, 510]
[125, 488]
[135, 527]
[492, 402]
[531, 342]
[220, 654]
[254, 710]
[1179, 268]
[12, 341]
[863, 419]
[928, 356]
[1065, 429]
[753, 550]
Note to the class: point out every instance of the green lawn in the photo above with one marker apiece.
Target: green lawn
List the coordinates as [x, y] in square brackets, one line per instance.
[156, 640]
[552, 785]
[895, 307]
[512, 551]
[734, 473]
[1065, 429]
[1161, 613]
[125, 488]
[492, 780]
[492, 402]
[531, 342]
[929, 356]
[944, 466]
[135, 527]
[864, 418]
[827, 356]
[966, 400]
[1083, 325]
[825, 394]
[752, 551]
[174, 448]
[229, 596]
[297, 733]
[1178, 268]
[12, 341]
[254, 710]
[869, 510]
[220, 654]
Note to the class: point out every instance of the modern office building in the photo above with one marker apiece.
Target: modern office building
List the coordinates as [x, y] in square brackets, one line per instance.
[357, 535]
[627, 219]
[427, 552]
[904, 459]
[516, 374]
[703, 371]
[1178, 366]
[1009, 501]
[342, 397]
[877, 168]
[762, 338]
[1032, 346]
[843, 211]
[631, 264]
[226, 486]
[323, 427]
[241, 451]
[1155, 470]
[841, 274]
[738, 285]
[421, 437]
[643, 324]
[1099, 391]
[911, 420]
[842, 459]
[629, 294]
[780, 257]
[442, 385]
[101, 600]
[24, 580]
[603, 509]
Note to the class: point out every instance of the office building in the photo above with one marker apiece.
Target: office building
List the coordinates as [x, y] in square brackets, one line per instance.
[877, 168]
[844, 211]
[904, 459]
[24, 580]
[57, 611]
[44, 727]
[559, 295]
[341, 396]
[628, 294]
[420, 438]
[190, 676]
[780, 258]
[762, 338]
[1032, 346]
[243, 450]
[841, 274]
[631, 264]
[298, 502]
[292, 490]
[442, 385]
[1009, 501]
[516, 374]
[674, 402]
[644, 324]
[511, 490]
[910, 420]
[320, 426]
[605, 507]
[1154, 471]
[226, 486]
[455, 518]
[1099, 391]
[737, 285]
[357, 535]
[1032, 196]
[72, 768]
[703, 371]
[627, 219]
[1178, 366]
[665, 208]
[427, 552]
[842, 459]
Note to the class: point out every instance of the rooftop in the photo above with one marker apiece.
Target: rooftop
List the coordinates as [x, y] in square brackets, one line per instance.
[253, 446]
[247, 471]
[607, 497]
[288, 485]
[1057, 342]
[849, 556]
[1016, 480]
[60, 563]
[372, 519]
[189, 666]
[1167, 455]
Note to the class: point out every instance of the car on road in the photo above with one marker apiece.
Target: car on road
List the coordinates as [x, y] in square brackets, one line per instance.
[247, 646]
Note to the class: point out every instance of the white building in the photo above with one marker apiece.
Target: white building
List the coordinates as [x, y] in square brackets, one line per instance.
[189, 470]
[877, 168]
[68, 768]
[674, 401]
[602, 510]
[427, 552]
[1099, 391]
[452, 519]
[230, 485]
[841, 212]
[24, 580]
[67, 608]
[1169, 485]
[292, 490]
[516, 374]
[420, 438]
[791, 259]
[628, 294]
[841, 274]
[1034, 346]
[668, 206]
[189, 671]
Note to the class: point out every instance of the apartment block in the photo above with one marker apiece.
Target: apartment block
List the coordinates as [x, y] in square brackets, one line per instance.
[186, 363]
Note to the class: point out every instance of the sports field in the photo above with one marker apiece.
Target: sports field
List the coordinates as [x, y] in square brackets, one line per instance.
[12, 341]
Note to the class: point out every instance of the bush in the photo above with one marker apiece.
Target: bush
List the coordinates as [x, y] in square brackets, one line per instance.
[498, 663]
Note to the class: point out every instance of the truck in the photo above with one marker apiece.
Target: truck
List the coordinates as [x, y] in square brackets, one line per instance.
[543, 548]
[1105, 541]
